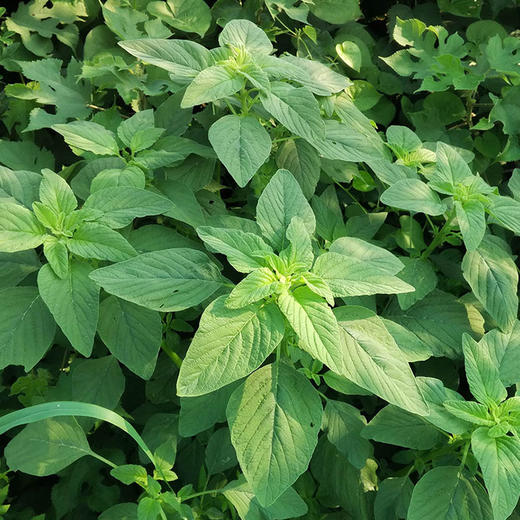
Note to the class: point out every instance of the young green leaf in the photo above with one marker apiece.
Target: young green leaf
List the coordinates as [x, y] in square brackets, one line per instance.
[245, 251]
[413, 195]
[88, 136]
[482, 372]
[56, 193]
[210, 84]
[256, 286]
[245, 35]
[281, 200]
[472, 222]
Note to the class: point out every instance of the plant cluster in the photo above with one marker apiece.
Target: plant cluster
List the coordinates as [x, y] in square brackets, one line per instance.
[258, 260]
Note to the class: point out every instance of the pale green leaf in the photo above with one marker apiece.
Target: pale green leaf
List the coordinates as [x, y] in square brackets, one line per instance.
[274, 418]
[88, 136]
[281, 200]
[74, 303]
[167, 280]
[446, 492]
[228, 345]
[413, 195]
[19, 229]
[493, 277]
[242, 144]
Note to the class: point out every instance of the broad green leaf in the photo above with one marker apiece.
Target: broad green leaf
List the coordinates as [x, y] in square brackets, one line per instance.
[74, 303]
[242, 144]
[499, 460]
[450, 170]
[184, 59]
[350, 276]
[507, 212]
[15, 267]
[377, 257]
[149, 509]
[56, 253]
[413, 195]
[88, 136]
[446, 492]
[482, 372]
[245, 251]
[193, 16]
[121, 205]
[228, 345]
[167, 280]
[22, 186]
[336, 11]
[392, 425]
[343, 424]
[220, 454]
[97, 381]
[470, 411]
[133, 334]
[130, 473]
[420, 274]
[56, 193]
[502, 347]
[274, 418]
[26, 327]
[243, 34]
[46, 447]
[317, 77]
[372, 359]
[142, 120]
[115, 177]
[472, 222]
[281, 200]
[256, 286]
[315, 325]
[393, 498]
[298, 254]
[436, 394]
[286, 506]
[303, 161]
[210, 84]
[19, 229]
[402, 140]
[201, 413]
[92, 240]
[493, 277]
[297, 109]
[439, 320]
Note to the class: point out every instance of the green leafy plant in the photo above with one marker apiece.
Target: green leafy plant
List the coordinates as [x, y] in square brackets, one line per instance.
[258, 260]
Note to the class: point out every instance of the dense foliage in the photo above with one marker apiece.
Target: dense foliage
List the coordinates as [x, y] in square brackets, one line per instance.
[258, 260]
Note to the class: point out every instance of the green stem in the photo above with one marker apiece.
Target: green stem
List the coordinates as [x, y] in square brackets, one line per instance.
[440, 237]
[464, 456]
[171, 354]
[347, 191]
[201, 493]
[102, 459]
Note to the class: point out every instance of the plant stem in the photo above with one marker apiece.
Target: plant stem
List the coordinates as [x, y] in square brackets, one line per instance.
[439, 238]
[171, 354]
[201, 493]
[102, 459]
